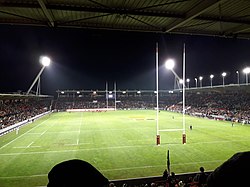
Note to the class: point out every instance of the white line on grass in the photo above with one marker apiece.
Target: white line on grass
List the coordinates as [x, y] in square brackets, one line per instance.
[43, 132]
[23, 134]
[30, 144]
[103, 148]
[23, 176]
[23, 147]
[120, 169]
[65, 151]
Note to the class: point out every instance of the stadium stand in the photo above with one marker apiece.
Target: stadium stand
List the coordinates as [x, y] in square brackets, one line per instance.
[230, 105]
[18, 110]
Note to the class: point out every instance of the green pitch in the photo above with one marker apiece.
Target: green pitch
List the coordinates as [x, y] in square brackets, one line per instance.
[121, 144]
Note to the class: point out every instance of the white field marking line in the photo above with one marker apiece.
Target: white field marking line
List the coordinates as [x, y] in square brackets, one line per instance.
[23, 134]
[22, 147]
[65, 151]
[23, 176]
[118, 169]
[78, 144]
[43, 132]
[171, 130]
[30, 144]
[156, 166]
[62, 132]
[102, 148]
[139, 140]
[222, 141]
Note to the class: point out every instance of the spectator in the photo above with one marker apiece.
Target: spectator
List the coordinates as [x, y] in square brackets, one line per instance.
[165, 175]
[172, 180]
[201, 178]
[72, 173]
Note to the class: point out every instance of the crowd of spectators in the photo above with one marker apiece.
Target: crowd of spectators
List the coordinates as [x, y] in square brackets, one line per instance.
[233, 107]
[229, 106]
[15, 110]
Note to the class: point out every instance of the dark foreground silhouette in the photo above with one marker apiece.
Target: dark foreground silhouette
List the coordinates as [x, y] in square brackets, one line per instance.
[73, 173]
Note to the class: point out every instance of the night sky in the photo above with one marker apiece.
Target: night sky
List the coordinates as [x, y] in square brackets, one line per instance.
[86, 59]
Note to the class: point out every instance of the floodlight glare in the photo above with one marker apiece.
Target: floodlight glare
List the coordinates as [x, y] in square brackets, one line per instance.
[246, 70]
[224, 74]
[211, 76]
[45, 61]
[188, 80]
[181, 81]
[200, 78]
[169, 64]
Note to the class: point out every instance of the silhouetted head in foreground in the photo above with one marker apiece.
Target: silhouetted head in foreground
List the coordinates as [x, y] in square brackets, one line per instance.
[73, 173]
[232, 173]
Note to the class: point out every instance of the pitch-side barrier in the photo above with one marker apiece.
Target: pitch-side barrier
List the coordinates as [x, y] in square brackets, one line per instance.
[18, 125]
[91, 110]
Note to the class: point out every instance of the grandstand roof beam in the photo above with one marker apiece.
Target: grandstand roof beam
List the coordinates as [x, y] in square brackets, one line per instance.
[46, 13]
[200, 8]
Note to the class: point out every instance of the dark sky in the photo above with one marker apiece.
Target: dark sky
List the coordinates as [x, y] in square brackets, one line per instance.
[86, 59]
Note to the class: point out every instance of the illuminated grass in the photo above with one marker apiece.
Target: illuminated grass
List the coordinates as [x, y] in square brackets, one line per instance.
[121, 144]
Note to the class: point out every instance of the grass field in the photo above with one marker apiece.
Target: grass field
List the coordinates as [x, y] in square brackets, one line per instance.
[121, 144]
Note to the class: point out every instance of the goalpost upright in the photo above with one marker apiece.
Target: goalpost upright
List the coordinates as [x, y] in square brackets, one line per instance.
[183, 99]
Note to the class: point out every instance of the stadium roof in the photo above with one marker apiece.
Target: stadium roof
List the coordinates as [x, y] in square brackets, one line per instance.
[224, 18]
[21, 96]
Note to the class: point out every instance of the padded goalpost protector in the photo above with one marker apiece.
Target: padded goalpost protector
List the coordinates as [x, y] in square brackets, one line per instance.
[184, 138]
[157, 139]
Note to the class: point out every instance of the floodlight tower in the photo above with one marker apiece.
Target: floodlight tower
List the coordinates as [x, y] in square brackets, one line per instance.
[246, 71]
[211, 80]
[45, 61]
[238, 77]
[196, 82]
[223, 78]
[188, 80]
[200, 78]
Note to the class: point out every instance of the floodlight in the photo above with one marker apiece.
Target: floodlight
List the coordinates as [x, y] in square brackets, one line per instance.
[188, 80]
[45, 61]
[169, 64]
[238, 76]
[200, 78]
[246, 70]
[181, 81]
[211, 79]
[223, 75]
